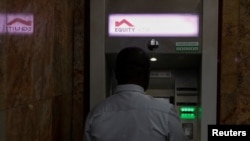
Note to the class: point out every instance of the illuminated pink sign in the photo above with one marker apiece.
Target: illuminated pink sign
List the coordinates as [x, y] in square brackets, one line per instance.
[157, 25]
[16, 23]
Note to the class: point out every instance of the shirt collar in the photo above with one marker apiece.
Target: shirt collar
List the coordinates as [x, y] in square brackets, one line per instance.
[129, 87]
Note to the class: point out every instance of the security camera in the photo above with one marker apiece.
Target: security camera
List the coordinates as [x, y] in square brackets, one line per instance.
[153, 44]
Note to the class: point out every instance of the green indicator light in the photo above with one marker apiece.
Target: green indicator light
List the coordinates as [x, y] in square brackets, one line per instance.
[187, 116]
[191, 109]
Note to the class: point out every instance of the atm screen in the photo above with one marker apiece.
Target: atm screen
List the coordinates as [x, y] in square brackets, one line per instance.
[156, 25]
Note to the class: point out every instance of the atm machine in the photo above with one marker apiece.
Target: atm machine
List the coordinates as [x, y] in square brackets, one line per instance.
[181, 39]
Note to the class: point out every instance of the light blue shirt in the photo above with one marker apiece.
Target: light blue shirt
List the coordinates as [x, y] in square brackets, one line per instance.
[131, 115]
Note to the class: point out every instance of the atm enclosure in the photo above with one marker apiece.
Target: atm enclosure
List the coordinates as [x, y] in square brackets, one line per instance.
[185, 72]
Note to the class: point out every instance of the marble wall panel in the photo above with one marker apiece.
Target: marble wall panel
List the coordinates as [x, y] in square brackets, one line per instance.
[235, 66]
[2, 125]
[18, 83]
[2, 72]
[243, 105]
[63, 47]
[20, 6]
[2, 54]
[229, 60]
[45, 120]
[36, 72]
[22, 123]
[78, 71]
[78, 117]
[229, 37]
[32, 122]
[42, 46]
[61, 118]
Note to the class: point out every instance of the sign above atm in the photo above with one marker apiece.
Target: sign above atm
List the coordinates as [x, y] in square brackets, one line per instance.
[156, 25]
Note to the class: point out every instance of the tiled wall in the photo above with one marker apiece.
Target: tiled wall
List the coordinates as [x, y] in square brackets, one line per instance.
[41, 73]
[234, 98]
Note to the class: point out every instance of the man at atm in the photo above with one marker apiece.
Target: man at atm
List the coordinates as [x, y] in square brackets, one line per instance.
[129, 114]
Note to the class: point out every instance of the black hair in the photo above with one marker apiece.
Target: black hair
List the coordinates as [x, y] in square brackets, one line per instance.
[133, 67]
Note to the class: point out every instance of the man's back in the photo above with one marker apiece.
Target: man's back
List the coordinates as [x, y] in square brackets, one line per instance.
[130, 115]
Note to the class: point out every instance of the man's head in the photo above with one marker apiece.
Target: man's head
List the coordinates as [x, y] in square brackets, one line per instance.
[133, 67]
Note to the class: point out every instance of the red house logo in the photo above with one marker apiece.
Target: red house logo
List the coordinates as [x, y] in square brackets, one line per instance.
[124, 21]
[21, 21]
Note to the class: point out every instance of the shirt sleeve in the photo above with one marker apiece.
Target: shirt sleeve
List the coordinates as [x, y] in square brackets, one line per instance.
[176, 132]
